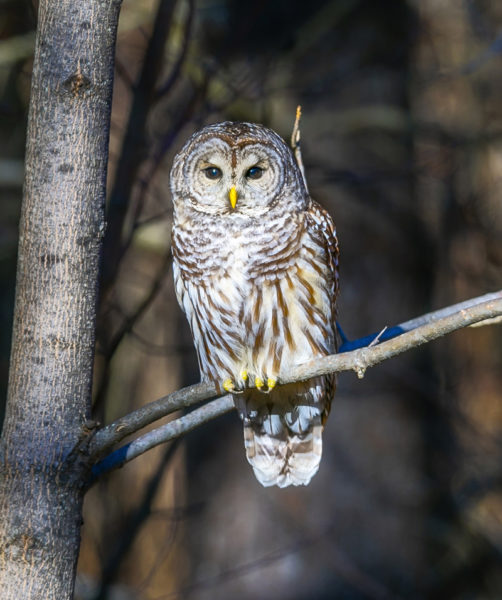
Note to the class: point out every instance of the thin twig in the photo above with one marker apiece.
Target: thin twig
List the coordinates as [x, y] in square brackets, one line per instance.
[431, 326]
[123, 73]
[295, 144]
[375, 341]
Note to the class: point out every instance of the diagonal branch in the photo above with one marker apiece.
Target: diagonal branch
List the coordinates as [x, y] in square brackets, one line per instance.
[410, 334]
[114, 433]
[170, 431]
[392, 332]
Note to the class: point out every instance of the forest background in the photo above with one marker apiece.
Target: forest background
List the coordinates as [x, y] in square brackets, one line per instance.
[401, 141]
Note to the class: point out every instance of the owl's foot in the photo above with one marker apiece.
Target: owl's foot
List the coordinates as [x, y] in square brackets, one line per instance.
[236, 387]
[266, 389]
[228, 385]
[271, 383]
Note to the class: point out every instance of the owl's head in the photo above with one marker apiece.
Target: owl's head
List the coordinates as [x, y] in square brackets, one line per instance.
[236, 169]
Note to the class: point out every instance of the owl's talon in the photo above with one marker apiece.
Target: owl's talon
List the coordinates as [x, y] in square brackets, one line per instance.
[259, 383]
[228, 385]
[271, 383]
[244, 375]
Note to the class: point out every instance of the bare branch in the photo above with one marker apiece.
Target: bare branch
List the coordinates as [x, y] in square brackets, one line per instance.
[295, 144]
[363, 358]
[169, 431]
[426, 328]
[392, 332]
[120, 429]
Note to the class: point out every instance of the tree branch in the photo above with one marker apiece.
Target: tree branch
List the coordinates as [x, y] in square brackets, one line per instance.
[165, 433]
[392, 332]
[115, 432]
[393, 341]
[295, 144]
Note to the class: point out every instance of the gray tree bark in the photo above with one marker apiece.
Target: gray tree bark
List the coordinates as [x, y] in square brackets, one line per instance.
[61, 230]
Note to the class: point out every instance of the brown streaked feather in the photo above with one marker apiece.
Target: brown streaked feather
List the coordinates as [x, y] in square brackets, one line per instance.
[290, 283]
[257, 306]
[275, 322]
[258, 342]
[288, 336]
[283, 307]
[314, 265]
[317, 348]
[301, 280]
[322, 226]
[275, 355]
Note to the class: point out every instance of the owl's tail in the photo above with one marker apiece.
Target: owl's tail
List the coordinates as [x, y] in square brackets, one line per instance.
[284, 447]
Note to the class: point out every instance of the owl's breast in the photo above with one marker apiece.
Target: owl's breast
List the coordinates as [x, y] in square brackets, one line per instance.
[211, 253]
[274, 251]
[255, 251]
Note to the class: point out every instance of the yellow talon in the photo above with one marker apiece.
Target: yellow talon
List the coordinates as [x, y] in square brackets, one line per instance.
[244, 375]
[271, 383]
[228, 385]
[259, 382]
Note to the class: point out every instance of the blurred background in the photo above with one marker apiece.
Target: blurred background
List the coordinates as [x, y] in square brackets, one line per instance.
[402, 143]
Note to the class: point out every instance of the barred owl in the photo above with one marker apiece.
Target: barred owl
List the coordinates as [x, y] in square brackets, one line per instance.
[255, 264]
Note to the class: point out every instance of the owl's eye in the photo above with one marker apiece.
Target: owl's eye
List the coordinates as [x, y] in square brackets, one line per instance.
[254, 173]
[212, 172]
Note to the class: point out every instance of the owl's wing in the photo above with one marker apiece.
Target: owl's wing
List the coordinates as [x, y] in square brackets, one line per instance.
[179, 284]
[321, 225]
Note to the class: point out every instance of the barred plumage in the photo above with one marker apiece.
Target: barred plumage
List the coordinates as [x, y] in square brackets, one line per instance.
[256, 273]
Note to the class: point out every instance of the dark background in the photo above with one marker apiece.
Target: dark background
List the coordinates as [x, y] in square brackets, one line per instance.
[402, 143]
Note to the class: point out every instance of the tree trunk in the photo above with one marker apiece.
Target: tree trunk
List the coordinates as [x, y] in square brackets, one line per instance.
[62, 225]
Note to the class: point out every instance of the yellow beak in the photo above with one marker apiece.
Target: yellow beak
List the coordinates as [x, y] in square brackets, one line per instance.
[232, 196]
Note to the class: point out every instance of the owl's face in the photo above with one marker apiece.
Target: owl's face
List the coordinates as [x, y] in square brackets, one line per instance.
[233, 168]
